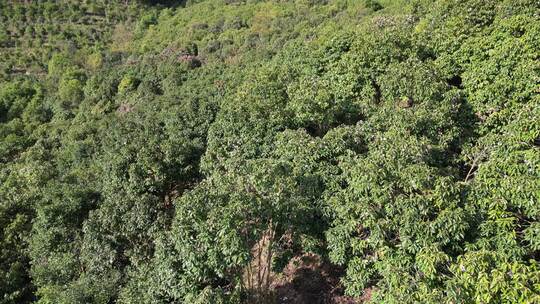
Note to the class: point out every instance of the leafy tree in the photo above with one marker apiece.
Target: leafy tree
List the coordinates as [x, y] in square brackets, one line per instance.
[191, 152]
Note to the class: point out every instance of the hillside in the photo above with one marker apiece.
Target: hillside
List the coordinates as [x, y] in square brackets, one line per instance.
[295, 151]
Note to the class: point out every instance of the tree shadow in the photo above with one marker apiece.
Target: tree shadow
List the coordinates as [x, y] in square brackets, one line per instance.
[310, 280]
[166, 3]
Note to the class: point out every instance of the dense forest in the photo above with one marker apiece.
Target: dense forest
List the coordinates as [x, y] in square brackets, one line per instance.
[250, 151]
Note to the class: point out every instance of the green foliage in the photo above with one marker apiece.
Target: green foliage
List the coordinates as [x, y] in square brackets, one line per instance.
[58, 64]
[34, 32]
[15, 224]
[487, 277]
[21, 113]
[161, 151]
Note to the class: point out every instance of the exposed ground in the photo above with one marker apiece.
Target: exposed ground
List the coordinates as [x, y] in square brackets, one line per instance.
[308, 280]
